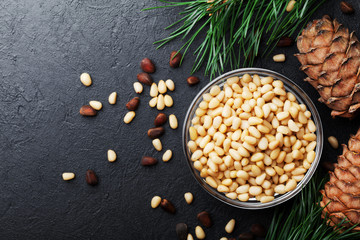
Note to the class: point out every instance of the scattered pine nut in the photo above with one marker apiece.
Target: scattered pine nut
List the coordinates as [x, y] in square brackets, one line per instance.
[112, 98]
[188, 197]
[173, 121]
[170, 84]
[168, 100]
[160, 102]
[279, 58]
[290, 6]
[129, 117]
[96, 105]
[224, 238]
[157, 144]
[138, 87]
[111, 154]
[229, 228]
[199, 232]
[167, 155]
[189, 237]
[153, 102]
[162, 87]
[333, 142]
[85, 79]
[154, 90]
[155, 201]
[68, 176]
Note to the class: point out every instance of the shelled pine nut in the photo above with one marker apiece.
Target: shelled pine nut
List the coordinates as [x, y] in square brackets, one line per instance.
[188, 197]
[138, 87]
[173, 121]
[157, 144]
[155, 201]
[111, 154]
[129, 117]
[167, 156]
[112, 98]
[95, 105]
[85, 79]
[170, 84]
[68, 176]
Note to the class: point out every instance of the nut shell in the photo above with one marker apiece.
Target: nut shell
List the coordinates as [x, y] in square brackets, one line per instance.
[147, 65]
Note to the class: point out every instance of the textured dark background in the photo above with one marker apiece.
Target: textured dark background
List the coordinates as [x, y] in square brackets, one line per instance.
[44, 47]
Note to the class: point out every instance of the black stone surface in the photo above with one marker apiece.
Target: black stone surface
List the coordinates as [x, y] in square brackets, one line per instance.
[44, 47]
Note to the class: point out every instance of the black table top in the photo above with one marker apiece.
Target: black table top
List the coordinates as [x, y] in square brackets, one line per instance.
[44, 47]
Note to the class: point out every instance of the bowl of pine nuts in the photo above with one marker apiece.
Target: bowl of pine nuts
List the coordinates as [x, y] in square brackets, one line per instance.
[252, 138]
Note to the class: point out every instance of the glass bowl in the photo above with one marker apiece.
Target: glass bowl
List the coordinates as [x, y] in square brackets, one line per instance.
[301, 98]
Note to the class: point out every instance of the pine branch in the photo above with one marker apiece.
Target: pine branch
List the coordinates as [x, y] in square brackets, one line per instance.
[304, 221]
[234, 29]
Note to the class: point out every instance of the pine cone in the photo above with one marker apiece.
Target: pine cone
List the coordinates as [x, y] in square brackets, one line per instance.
[330, 56]
[342, 192]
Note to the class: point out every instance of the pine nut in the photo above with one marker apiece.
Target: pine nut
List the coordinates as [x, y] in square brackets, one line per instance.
[255, 190]
[129, 117]
[333, 142]
[155, 201]
[162, 87]
[170, 84]
[85, 79]
[153, 102]
[138, 87]
[265, 199]
[95, 105]
[290, 6]
[154, 90]
[68, 176]
[188, 197]
[157, 144]
[112, 98]
[279, 58]
[229, 228]
[160, 102]
[189, 237]
[199, 232]
[290, 185]
[111, 155]
[167, 155]
[168, 101]
[173, 122]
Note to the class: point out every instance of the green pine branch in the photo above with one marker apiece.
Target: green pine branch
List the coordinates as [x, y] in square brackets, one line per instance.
[304, 221]
[234, 29]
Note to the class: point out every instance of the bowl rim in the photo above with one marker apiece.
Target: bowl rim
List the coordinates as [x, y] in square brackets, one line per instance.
[290, 86]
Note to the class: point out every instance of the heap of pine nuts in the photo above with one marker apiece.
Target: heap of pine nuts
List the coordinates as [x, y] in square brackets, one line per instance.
[252, 138]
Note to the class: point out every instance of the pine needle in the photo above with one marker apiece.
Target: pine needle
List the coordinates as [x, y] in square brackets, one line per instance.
[234, 29]
[304, 221]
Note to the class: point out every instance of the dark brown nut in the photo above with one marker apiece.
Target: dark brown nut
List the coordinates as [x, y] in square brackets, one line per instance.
[145, 78]
[182, 231]
[192, 80]
[175, 60]
[167, 206]
[148, 161]
[147, 65]
[133, 104]
[88, 111]
[328, 166]
[205, 219]
[285, 42]
[155, 132]
[160, 119]
[246, 236]
[91, 178]
[258, 230]
[346, 7]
